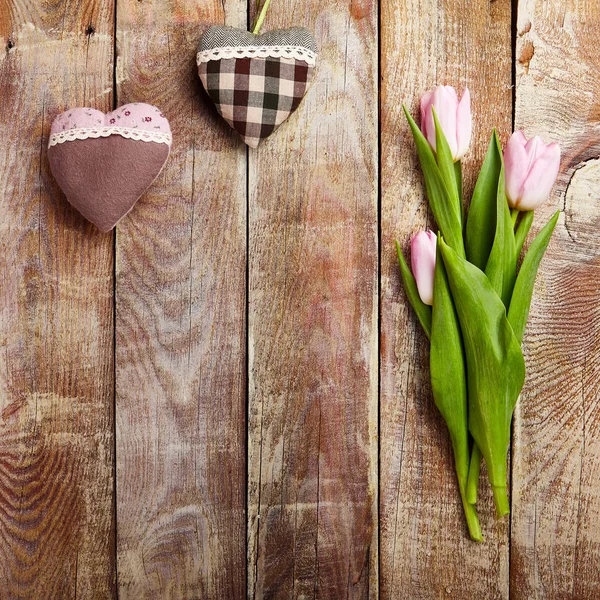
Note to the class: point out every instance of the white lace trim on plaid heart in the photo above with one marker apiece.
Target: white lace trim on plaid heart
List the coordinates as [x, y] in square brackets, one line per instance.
[83, 133]
[297, 52]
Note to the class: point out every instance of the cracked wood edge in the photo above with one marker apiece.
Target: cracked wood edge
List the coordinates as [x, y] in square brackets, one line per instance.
[425, 549]
[56, 325]
[180, 325]
[312, 481]
[555, 540]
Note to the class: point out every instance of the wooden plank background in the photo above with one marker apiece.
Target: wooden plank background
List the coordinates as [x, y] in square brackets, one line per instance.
[180, 327]
[421, 519]
[556, 475]
[228, 397]
[312, 326]
[56, 315]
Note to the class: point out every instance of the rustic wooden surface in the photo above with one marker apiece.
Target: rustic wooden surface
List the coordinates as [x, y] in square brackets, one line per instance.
[312, 328]
[424, 544]
[180, 327]
[229, 396]
[556, 493]
[56, 316]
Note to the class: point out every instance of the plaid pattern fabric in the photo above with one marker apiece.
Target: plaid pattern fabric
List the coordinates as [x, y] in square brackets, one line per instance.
[255, 94]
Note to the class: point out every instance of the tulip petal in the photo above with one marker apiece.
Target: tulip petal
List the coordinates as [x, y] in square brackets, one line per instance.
[429, 124]
[425, 109]
[519, 136]
[541, 178]
[535, 147]
[432, 238]
[516, 165]
[446, 105]
[450, 92]
[464, 125]
[422, 258]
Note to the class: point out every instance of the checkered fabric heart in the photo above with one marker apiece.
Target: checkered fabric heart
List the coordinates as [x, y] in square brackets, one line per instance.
[256, 81]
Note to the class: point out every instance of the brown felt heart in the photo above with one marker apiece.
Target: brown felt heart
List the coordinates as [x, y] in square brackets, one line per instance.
[256, 81]
[105, 162]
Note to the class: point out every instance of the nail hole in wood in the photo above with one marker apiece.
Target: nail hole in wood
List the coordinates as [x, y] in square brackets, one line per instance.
[90, 30]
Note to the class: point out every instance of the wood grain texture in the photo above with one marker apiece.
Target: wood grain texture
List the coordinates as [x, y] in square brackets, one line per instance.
[56, 325]
[181, 306]
[555, 542]
[325, 519]
[425, 549]
[312, 456]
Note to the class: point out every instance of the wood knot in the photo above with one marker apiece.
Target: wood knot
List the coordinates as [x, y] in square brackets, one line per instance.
[9, 45]
[527, 52]
[90, 30]
[581, 204]
[525, 29]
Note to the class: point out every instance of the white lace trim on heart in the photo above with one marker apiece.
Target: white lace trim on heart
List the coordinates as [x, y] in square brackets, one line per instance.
[83, 133]
[297, 52]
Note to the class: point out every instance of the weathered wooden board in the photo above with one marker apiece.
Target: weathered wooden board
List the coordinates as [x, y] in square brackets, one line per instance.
[313, 323]
[425, 549]
[181, 337]
[308, 200]
[56, 325]
[555, 541]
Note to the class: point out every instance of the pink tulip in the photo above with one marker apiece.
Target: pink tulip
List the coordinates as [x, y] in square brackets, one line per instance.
[422, 258]
[453, 116]
[530, 168]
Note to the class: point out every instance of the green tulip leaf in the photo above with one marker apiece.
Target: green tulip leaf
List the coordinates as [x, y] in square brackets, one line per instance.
[446, 164]
[448, 370]
[449, 382]
[444, 210]
[521, 298]
[501, 266]
[481, 221]
[422, 310]
[522, 230]
[495, 366]
[473, 479]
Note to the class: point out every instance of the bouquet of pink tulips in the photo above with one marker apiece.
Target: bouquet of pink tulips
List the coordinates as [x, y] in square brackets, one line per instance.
[465, 287]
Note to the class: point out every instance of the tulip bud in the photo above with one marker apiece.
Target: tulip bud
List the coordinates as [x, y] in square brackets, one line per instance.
[454, 118]
[530, 170]
[422, 258]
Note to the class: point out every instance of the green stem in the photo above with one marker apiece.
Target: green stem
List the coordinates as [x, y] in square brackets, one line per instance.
[470, 513]
[473, 480]
[514, 212]
[501, 500]
[458, 176]
[261, 17]
[522, 230]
